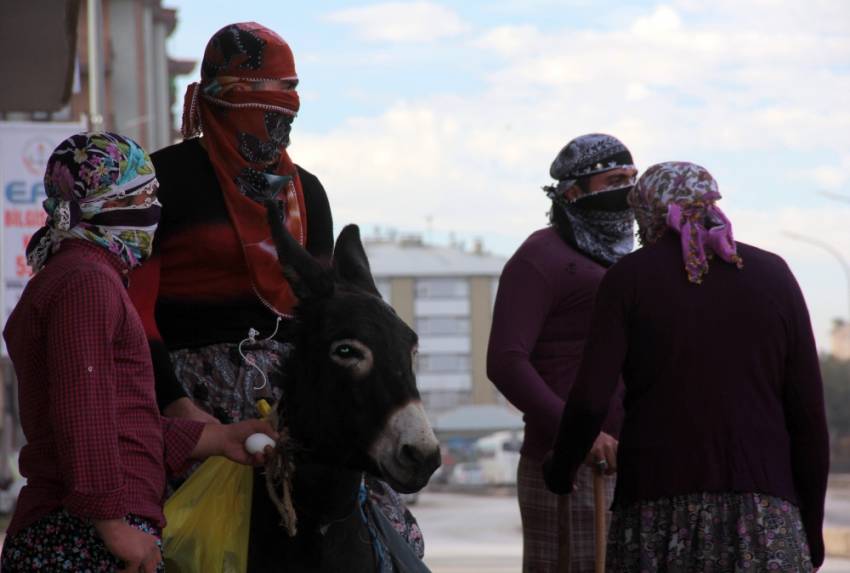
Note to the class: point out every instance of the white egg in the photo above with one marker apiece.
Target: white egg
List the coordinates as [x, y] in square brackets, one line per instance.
[256, 443]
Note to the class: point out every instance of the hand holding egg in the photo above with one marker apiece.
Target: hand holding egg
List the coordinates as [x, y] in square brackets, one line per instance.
[257, 443]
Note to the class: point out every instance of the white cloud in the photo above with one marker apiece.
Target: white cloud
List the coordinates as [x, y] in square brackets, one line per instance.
[688, 80]
[832, 177]
[636, 91]
[720, 86]
[664, 20]
[829, 177]
[508, 41]
[416, 160]
[401, 22]
[818, 271]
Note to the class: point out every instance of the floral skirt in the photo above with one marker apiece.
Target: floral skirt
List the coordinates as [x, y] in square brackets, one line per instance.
[708, 532]
[228, 385]
[61, 542]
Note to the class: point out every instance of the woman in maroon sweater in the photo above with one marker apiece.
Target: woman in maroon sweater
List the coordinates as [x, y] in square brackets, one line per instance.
[723, 455]
[540, 322]
[97, 448]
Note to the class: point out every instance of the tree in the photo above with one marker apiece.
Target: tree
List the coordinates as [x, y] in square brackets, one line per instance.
[836, 389]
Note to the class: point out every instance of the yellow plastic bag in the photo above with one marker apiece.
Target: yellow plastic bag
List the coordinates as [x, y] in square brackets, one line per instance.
[208, 520]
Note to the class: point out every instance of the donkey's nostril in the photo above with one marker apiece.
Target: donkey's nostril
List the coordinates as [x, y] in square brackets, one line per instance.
[422, 460]
[411, 455]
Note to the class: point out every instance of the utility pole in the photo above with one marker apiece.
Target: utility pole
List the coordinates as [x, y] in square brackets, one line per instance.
[835, 196]
[832, 251]
[95, 64]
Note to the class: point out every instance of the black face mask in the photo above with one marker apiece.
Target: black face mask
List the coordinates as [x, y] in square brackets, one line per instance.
[614, 200]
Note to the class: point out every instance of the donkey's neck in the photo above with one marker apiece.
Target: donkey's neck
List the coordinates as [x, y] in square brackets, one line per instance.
[323, 494]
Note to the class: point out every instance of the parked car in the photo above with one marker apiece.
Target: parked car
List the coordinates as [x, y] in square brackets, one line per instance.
[498, 456]
[468, 473]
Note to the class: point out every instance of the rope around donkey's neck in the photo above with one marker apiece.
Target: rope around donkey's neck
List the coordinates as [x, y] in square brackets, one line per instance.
[280, 469]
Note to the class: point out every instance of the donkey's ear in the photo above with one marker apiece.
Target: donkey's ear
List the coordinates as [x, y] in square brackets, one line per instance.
[350, 262]
[305, 275]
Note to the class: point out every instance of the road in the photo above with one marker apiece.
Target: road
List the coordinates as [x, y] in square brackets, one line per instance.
[478, 534]
[470, 533]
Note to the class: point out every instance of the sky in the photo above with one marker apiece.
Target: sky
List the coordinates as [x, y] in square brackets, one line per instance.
[442, 118]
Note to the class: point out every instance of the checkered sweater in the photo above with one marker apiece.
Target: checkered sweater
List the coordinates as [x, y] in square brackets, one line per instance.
[96, 444]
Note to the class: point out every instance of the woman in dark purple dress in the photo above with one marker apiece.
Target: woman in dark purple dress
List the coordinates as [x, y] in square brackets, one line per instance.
[723, 455]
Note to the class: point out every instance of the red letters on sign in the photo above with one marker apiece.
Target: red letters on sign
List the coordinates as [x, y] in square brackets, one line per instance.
[24, 218]
[21, 268]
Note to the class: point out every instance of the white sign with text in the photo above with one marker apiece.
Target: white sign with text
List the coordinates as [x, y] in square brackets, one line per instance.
[24, 150]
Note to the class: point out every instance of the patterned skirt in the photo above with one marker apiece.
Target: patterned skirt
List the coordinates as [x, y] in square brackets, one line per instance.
[61, 542]
[708, 532]
[557, 527]
[228, 384]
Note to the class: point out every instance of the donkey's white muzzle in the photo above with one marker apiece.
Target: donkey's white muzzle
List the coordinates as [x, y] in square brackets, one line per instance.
[407, 451]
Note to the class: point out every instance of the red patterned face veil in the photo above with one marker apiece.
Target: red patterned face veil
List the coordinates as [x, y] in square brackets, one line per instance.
[246, 133]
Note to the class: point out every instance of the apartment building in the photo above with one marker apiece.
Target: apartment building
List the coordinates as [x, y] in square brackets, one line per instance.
[446, 294]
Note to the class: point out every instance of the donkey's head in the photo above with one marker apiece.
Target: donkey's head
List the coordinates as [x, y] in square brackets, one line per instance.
[352, 399]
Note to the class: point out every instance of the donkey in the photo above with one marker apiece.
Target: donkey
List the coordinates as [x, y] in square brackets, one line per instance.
[351, 405]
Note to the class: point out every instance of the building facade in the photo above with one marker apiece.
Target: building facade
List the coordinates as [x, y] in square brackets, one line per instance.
[446, 295]
[138, 73]
[841, 339]
[138, 99]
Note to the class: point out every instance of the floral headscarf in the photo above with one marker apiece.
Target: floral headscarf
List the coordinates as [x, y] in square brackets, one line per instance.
[681, 196]
[101, 188]
[246, 134]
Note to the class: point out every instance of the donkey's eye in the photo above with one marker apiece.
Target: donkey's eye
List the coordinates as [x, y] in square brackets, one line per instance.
[346, 351]
[353, 355]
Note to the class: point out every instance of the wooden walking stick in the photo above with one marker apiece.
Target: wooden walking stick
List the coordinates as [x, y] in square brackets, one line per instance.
[599, 510]
[600, 540]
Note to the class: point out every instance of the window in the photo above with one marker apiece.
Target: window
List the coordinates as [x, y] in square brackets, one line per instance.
[446, 400]
[433, 363]
[442, 288]
[442, 325]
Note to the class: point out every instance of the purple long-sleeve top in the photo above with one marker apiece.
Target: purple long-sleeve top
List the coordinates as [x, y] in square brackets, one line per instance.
[540, 322]
[723, 387]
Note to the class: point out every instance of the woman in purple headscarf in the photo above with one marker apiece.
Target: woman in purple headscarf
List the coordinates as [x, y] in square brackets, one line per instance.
[723, 454]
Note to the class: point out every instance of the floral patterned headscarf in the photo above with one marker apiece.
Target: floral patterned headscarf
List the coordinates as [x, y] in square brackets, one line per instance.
[101, 188]
[681, 196]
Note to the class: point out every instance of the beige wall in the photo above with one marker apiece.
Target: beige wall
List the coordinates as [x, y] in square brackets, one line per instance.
[402, 293]
[481, 311]
[841, 341]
